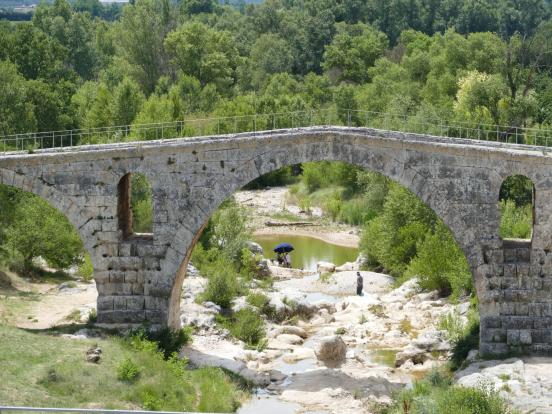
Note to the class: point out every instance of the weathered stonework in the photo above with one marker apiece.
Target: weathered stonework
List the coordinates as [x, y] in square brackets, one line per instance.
[139, 279]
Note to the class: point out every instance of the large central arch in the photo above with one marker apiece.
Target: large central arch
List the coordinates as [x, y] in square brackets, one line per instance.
[421, 173]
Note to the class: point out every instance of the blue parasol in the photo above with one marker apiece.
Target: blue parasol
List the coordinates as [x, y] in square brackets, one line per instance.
[283, 248]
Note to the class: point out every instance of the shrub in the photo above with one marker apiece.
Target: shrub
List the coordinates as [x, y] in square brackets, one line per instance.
[128, 371]
[436, 394]
[249, 264]
[92, 317]
[222, 286]
[262, 302]
[332, 208]
[245, 325]
[169, 341]
[86, 269]
[355, 212]
[453, 326]
[440, 264]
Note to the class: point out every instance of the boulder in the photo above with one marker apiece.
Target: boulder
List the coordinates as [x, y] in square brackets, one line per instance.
[298, 354]
[254, 248]
[347, 267]
[412, 353]
[213, 307]
[263, 268]
[93, 355]
[290, 339]
[325, 267]
[289, 329]
[432, 341]
[331, 349]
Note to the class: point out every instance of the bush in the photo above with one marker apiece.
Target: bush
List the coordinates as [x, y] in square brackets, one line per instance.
[246, 325]
[128, 371]
[222, 285]
[515, 222]
[262, 302]
[436, 394]
[440, 264]
[86, 270]
[355, 212]
[249, 264]
[169, 341]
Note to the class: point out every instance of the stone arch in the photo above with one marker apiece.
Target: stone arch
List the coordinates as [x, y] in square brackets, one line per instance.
[405, 167]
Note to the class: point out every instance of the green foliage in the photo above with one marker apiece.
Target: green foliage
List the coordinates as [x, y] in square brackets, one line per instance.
[440, 264]
[38, 229]
[128, 371]
[435, 393]
[228, 230]
[246, 325]
[141, 204]
[353, 50]
[262, 302]
[69, 381]
[169, 341]
[515, 222]
[222, 285]
[86, 269]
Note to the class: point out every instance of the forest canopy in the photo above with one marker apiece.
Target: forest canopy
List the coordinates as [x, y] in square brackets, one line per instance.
[73, 66]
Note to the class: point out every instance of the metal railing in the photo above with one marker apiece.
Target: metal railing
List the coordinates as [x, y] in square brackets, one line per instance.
[275, 121]
[6, 409]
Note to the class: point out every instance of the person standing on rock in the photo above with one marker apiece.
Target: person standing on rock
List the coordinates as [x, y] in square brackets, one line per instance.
[360, 284]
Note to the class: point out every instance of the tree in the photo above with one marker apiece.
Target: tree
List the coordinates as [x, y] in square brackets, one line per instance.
[142, 29]
[37, 55]
[197, 6]
[127, 102]
[16, 112]
[206, 54]
[479, 97]
[269, 55]
[38, 229]
[353, 50]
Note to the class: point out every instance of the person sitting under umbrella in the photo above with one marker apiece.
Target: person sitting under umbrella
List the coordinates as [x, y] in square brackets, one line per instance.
[282, 254]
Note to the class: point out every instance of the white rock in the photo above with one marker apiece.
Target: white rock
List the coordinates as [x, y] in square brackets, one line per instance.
[298, 354]
[290, 339]
[325, 267]
[289, 329]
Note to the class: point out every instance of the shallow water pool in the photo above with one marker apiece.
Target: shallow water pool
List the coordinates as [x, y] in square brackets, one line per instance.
[308, 250]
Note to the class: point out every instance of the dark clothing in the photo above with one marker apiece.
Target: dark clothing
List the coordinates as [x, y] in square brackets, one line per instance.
[360, 283]
[359, 290]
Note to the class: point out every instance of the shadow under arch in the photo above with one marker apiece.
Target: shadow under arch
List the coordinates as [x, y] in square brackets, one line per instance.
[410, 174]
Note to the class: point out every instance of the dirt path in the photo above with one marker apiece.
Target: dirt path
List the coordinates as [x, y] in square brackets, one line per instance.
[41, 305]
[55, 306]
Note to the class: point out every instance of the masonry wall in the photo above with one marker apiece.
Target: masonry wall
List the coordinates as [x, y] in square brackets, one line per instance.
[139, 280]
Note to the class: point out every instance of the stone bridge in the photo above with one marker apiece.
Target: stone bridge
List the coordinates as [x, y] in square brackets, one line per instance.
[139, 278]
